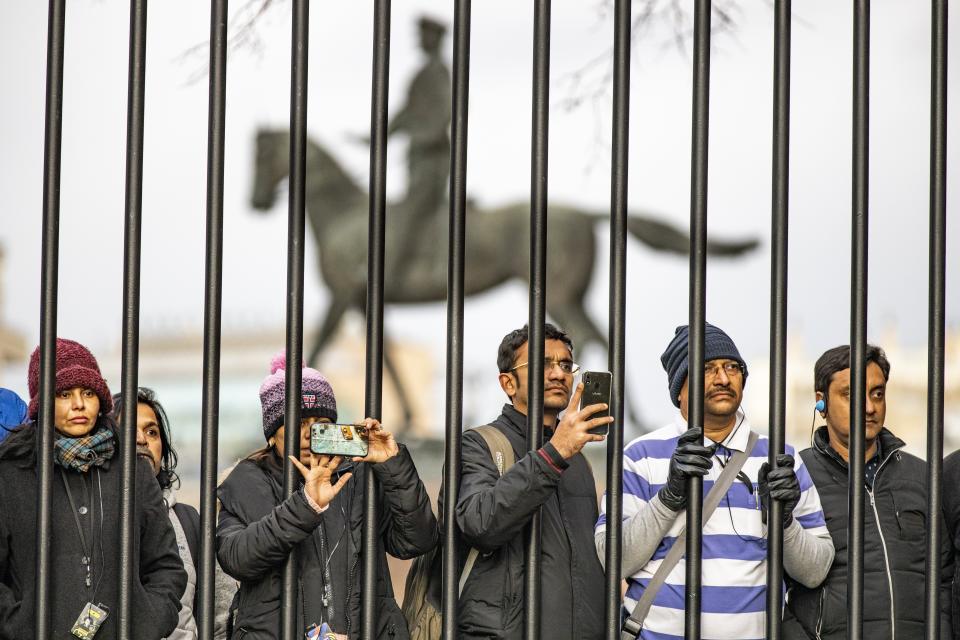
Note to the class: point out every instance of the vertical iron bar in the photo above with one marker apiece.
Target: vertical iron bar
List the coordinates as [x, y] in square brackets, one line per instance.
[538, 294]
[213, 280]
[778, 302]
[131, 313]
[618, 311]
[375, 265]
[698, 302]
[48, 310]
[455, 321]
[858, 314]
[296, 223]
[936, 314]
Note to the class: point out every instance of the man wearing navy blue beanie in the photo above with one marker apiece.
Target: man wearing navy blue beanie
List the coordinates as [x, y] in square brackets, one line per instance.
[657, 467]
[717, 345]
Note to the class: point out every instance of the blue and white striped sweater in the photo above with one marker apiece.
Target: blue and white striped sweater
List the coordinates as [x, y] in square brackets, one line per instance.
[734, 539]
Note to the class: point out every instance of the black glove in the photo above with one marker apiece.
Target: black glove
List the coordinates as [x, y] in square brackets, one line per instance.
[780, 484]
[690, 459]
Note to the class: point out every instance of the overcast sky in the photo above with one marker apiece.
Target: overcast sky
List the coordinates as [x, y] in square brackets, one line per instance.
[94, 125]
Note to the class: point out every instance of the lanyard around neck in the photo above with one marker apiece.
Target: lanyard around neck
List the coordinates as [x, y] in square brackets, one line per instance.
[87, 558]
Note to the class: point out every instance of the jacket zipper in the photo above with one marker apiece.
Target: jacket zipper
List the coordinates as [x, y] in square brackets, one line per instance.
[823, 594]
[350, 577]
[573, 564]
[883, 543]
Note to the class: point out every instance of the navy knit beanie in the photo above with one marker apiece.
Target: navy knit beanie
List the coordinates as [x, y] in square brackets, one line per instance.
[716, 345]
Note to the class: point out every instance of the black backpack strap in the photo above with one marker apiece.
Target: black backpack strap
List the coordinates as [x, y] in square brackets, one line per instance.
[190, 521]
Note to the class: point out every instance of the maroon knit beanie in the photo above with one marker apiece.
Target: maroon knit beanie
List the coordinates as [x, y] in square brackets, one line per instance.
[76, 367]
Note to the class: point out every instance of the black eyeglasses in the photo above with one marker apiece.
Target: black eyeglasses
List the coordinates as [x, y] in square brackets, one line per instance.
[569, 367]
[731, 368]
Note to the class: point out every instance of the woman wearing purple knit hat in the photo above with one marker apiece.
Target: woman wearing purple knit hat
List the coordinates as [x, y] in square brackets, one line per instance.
[85, 512]
[322, 520]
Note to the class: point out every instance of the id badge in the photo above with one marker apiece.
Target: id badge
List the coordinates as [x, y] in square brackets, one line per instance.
[90, 619]
[322, 632]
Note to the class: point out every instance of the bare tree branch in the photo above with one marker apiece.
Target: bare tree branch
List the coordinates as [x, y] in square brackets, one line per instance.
[592, 80]
[242, 35]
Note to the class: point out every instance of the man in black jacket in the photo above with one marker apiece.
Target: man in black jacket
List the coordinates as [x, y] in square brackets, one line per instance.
[493, 510]
[895, 521]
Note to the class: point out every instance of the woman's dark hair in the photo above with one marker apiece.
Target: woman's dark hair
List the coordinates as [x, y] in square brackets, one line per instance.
[266, 458]
[838, 359]
[21, 444]
[167, 477]
[516, 339]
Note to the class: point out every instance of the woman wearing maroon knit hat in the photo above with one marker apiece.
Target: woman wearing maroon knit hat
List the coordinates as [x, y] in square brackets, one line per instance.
[322, 520]
[85, 516]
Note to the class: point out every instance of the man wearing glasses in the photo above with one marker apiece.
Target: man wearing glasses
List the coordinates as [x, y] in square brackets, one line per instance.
[656, 468]
[493, 508]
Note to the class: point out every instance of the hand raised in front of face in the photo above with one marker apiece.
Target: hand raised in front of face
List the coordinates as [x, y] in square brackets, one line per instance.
[689, 460]
[573, 432]
[380, 443]
[316, 478]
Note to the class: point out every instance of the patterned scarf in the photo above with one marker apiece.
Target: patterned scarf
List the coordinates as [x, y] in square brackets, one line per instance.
[82, 453]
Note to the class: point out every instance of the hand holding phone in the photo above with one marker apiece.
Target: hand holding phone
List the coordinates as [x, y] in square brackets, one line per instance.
[596, 390]
[381, 445]
[577, 424]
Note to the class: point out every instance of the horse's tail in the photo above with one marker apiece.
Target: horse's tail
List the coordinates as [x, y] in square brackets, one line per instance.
[663, 236]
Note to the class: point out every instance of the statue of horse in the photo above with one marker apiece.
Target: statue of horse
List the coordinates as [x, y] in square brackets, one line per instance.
[497, 248]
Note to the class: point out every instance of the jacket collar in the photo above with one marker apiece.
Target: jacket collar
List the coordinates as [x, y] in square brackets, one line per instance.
[518, 421]
[736, 440]
[889, 444]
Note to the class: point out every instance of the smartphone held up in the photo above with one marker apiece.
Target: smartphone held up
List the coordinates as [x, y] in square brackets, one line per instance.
[596, 390]
[347, 440]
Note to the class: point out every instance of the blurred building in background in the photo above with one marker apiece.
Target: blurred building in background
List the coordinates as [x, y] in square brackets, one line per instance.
[13, 346]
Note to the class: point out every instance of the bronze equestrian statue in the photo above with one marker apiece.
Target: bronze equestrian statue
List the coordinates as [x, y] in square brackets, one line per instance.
[497, 247]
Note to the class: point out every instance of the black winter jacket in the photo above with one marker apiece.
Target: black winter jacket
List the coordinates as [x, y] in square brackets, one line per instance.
[951, 511]
[894, 550]
[162, 580]
[492, 512]
[257, 530]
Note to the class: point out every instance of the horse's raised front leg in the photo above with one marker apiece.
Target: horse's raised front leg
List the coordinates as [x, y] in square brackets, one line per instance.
[395, 377]
[331, 321]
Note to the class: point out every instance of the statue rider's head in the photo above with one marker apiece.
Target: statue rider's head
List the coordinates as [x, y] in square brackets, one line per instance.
[431, 34]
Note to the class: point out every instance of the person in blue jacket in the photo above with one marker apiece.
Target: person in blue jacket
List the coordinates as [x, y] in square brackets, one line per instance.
[13, 412]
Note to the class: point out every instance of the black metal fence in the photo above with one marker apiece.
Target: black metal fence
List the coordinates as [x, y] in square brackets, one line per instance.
[455, 323]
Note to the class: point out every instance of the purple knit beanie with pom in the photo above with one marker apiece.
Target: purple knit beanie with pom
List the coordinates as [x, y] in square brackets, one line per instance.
[316, 395]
